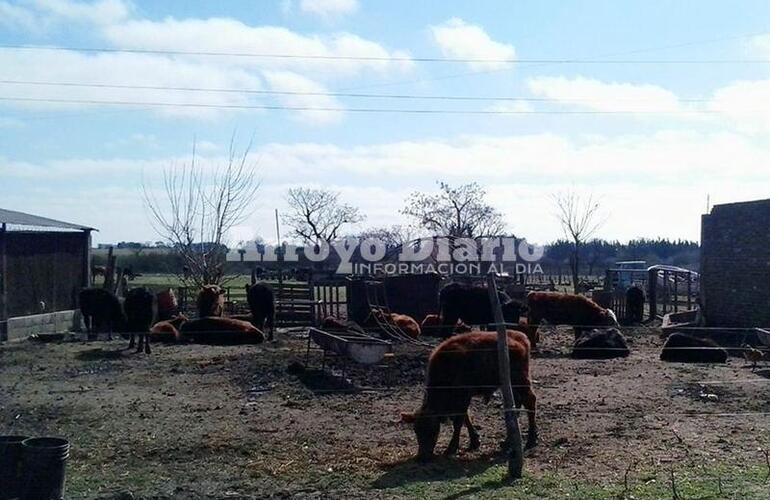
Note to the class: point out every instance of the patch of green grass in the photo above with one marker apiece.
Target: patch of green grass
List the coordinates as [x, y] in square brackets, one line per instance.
[698, 482]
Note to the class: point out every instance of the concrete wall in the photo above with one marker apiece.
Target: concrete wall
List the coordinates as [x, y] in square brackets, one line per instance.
[57, 322]
[735, 264]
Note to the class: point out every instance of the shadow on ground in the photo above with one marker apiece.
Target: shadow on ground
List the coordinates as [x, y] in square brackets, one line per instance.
[441, 468]
[98, 354]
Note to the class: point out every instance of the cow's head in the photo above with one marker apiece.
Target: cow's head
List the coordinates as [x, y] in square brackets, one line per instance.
[512, 310]
[611, 319]
[426, 428]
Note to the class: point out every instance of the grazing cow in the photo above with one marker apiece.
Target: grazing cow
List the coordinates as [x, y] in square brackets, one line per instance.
[168, 306]
[460, 368]
[168, 330]
[567, 309]
[635, 304]
[262, 304]
[471, 305]
[600, 344]
[683, 348]
[221, 331]
[405, 323]
[101, 312]
[139, 307]
[211, 301]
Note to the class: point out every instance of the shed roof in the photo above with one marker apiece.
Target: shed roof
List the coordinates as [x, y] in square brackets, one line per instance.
[22, 219]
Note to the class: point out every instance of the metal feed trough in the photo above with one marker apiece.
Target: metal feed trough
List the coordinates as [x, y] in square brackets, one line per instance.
[353, 345]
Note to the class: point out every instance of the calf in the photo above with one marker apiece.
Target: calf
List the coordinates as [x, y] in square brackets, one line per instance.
[222, 331]
[567, 309]
[262, 304]
[432, 322]
[471, 305]
[460, 368]
[332, 323]
[168, 306]
[601, 344]
[405, 323]
[139, 307]
[211, 301]
[683, 348]
[168, 330]
[101, 311]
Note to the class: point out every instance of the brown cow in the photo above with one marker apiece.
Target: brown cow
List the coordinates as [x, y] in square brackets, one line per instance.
[168, 330]
[211, 301]
[580, 312]
[405, 323]
[223, 331]
[432, 322]
[460, 368]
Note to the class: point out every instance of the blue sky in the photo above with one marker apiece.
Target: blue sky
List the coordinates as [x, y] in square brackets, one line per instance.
[687, 130]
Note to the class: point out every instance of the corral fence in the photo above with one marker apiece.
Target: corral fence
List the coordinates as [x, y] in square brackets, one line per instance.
[667, 290]
[297, 303]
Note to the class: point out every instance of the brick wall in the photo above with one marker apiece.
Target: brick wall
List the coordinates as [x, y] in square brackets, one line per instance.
[735, 264]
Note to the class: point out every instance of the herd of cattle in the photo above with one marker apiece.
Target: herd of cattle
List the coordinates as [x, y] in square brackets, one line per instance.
[463, 366]
[156, 316]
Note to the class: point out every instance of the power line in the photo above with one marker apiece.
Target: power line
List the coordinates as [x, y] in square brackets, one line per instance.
[318, 94]
[354, 110]
[324, 57]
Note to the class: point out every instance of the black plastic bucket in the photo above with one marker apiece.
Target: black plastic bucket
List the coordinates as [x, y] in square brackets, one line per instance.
[44, 460]
[10, 466]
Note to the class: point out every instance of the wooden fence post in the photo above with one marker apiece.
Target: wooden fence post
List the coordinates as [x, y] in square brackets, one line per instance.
[513, 434]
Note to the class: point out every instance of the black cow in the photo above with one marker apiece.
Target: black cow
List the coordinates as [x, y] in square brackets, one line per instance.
[262, 304]
[471, 305]
[101, 312]
[683, 348]
[600, 344]
[139, 307]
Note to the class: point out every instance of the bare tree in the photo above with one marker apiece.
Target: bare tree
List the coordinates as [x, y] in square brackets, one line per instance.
[199, 207]
[318, 215]
[392, 236]
[455, 211]
[580, 217]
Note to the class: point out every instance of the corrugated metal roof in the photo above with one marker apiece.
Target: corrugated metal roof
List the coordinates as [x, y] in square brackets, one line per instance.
[21, 219]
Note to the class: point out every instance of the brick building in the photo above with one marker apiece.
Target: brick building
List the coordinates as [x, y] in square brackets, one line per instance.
[735, 264]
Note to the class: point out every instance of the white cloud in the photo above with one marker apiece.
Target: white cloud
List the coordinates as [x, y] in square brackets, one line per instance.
[743, 104]
[100, 12]
[597, 95]
[285, 81]
[676, 169]
[458, 39]
[234, 37]
[121, 69]
[14, 16]
[38, 15]
[328, 8]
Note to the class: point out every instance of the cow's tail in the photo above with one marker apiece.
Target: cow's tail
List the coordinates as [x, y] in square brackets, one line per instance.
[253, 276]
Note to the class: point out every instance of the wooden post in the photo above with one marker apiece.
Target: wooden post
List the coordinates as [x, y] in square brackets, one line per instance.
[86, 259]
[652, 292]
[513, 434]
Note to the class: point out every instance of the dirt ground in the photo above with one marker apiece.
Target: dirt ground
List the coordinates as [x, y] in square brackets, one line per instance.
[193, 421]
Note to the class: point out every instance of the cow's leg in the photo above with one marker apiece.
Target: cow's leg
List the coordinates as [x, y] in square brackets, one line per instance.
[457, 426]
[473, 434]
[271, 324]
[131, 340]
[530, 403]
[146, 338]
